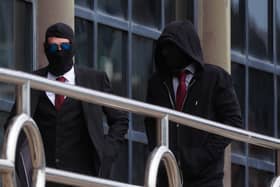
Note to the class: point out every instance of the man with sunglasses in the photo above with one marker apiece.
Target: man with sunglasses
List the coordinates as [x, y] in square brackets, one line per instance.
[72, 130]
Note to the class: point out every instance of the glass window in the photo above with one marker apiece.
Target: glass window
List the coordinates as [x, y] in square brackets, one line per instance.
[114, 7]
[85, 3]
[260, 29]
[112, 56]
[259, 178]
[141, 71]
[147, 12]
[170, 10]
[180, 9]
[237, 172]
[261, 107]
[238, 25]
[16, 41]
[23, 36]
[238, 77]
[140, 154]
[278, 99]
[84, 42]
[277, 18]
[6, 30]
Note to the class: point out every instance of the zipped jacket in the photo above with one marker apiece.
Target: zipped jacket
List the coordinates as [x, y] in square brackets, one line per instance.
[210, 95]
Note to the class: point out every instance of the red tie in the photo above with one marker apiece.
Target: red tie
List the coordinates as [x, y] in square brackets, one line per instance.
[181, 91]
[59, 99]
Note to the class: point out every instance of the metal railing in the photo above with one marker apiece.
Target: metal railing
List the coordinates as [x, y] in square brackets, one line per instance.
[32, 132]
[26, 81]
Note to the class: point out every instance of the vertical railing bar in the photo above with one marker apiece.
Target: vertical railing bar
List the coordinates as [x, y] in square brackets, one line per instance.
[277, 168]
[163, 131]
[19, 99]
[23, 98]
[274, 55]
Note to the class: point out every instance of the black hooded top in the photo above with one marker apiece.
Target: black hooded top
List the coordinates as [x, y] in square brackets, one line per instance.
[184, 36]
[210, 95]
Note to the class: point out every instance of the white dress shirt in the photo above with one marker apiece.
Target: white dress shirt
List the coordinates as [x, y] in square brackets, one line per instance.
[191, 69]
[70, 79]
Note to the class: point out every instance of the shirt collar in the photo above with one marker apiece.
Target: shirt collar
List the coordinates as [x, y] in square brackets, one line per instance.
[69, 75]
[191, 68]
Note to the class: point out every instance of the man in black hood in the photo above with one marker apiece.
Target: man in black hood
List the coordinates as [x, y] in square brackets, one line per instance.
[183, 82]
[72, 130]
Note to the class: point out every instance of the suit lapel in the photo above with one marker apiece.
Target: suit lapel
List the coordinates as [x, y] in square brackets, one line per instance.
[78, 78]
[35, 94]
[81, 80]
[169, 89]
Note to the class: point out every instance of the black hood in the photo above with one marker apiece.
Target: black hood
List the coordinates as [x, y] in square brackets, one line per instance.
[184, 36]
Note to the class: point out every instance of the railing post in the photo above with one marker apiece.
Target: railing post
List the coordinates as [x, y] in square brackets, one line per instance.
[163, 131]
[277, 163]
[23, 98]
[162, 153]
[19, 123]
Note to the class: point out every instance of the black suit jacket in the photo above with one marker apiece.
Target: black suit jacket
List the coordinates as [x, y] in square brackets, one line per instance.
[210, 95]
[107, 146]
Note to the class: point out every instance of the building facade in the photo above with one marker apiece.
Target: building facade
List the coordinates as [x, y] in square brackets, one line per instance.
[117, 36]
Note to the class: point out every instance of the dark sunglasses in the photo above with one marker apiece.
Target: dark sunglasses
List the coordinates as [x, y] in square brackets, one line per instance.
[52, 48]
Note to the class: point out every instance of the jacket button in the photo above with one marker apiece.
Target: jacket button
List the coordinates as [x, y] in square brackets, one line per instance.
[57, 160]
[177, 125]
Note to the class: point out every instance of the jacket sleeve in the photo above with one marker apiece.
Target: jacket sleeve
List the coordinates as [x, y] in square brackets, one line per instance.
[117, 121]
[150, 123]
[227, 111]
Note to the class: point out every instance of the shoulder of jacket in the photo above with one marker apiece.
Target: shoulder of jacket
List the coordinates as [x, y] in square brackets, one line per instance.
[221, 76]
[41, 72]
[90, 72]
[214, 69]
[155, 77]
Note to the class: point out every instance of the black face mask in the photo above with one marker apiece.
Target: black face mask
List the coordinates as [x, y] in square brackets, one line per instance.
[174, 58]
[60, 62]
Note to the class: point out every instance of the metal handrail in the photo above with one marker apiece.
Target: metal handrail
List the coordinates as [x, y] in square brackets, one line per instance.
[158, 154]
[35, 143]
[117, 102]
[70, 178]
[92, 96]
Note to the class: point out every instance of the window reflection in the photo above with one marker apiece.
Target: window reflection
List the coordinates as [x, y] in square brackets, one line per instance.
[16, 40]
[237, 172]
[261, 105]
[178, 10]
[278, 99]
[170, 10]
[23, 32]
[6, 30]
[140, 154]
[112, 56]
[141, 71]
[277, 17]
[114, 7]
[85, 3]
[238, 77]
[147, 12]
[259, 178]
[84, 45]
[238, 25]
[260, 29]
